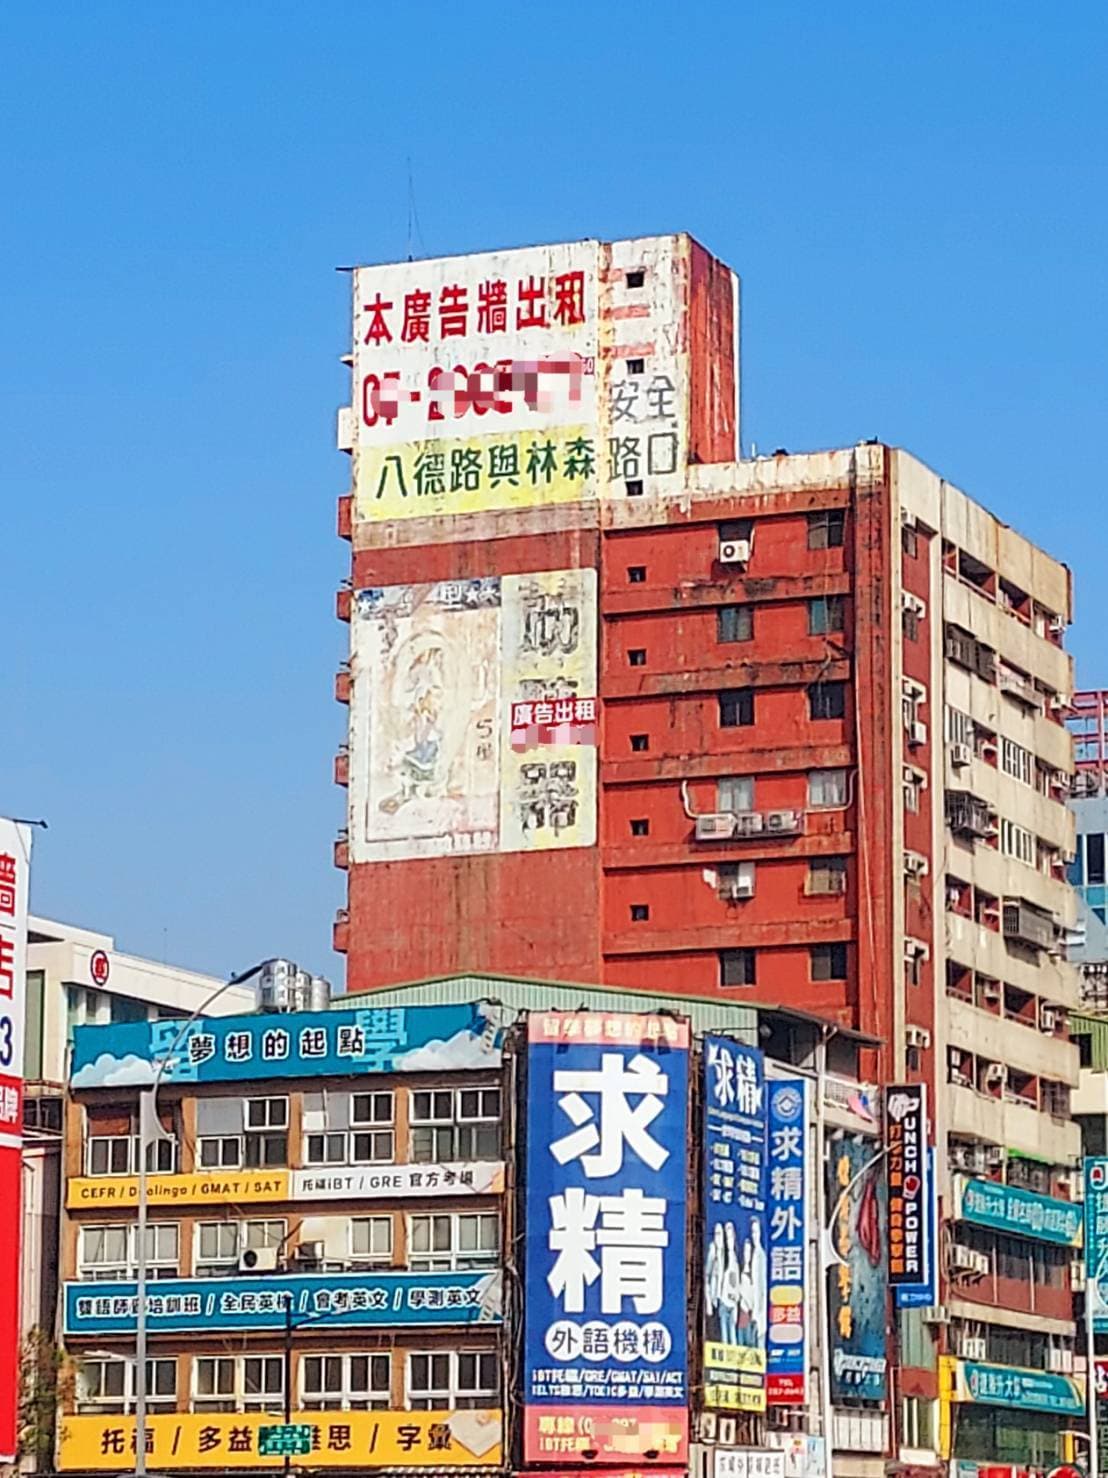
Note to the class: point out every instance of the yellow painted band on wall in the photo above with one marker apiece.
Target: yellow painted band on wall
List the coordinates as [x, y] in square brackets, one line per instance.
[340, 1439]
[94, 1191]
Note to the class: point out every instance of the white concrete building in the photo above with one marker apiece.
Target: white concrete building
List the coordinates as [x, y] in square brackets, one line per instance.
[77, 977]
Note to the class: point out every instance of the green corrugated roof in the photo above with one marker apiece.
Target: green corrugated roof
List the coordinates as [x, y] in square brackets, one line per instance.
[521, 994]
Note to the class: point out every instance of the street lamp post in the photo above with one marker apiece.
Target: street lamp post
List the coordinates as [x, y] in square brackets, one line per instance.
[149, 1133]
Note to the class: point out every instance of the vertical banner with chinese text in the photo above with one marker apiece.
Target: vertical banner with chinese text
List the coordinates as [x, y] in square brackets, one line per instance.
[1096, 1240]
[787, 1202]
[15, 857]
[605, 1347]
[907, 1181]
[735, 1258]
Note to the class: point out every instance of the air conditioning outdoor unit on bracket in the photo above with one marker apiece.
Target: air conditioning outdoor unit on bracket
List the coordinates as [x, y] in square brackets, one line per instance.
[961, 755]
[917, 734]
[259, 1260]
[715, 826]
[734, 551]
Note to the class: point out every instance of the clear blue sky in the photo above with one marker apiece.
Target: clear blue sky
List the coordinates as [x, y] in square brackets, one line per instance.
[916, 198]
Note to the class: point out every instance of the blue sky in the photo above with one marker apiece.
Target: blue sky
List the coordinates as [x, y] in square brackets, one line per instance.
[915, 198]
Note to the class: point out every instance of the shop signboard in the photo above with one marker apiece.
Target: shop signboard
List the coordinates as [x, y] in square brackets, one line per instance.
[736, 1264]
[605, 1346]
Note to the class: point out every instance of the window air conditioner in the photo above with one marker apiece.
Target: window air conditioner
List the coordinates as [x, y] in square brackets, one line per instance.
[1057, 624]
[917, 1036]
[915, 864]
[784, 821]
[734, 889]
[734, 551]
[996, 1072]
[974, 1347]
[259, 1260]
[961, 755]
[917, 733]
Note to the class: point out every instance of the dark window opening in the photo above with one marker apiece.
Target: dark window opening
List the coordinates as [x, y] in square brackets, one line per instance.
[637, 656]
[737, 967]
[825, 528]
[736, 708]
[640, 912]
[636, 366]
[734, 623]
[639, 742]
[636, 574]
[640, 826]
[827, 700]
[634, 487]
[828, 961]
[636, 278]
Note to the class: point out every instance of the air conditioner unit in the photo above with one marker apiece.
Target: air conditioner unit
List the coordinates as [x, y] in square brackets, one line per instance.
[961, 755]
[733, 889]
[990, 990]
[993, 1156]
[1048, 1019]
[259, 1260]
[917, 1036]
[1059, 702]
[996, 1072]
[962, 1259]
[311, 1252]
[916, 864]
[974, 1347]
[715, 826]
[1056, 624]
[734, 551]
[727, 1431]
[917, 733]
[748, 823]
[937, 1314]
[910, 602]
[785, 821]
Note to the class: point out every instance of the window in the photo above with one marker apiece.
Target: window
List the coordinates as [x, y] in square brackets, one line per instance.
[634, 486]
[959, 727]
[219, 1244]
[735, 793]
[826, 613]
[913, 785]
[826, 875]
[734, 623]
[453, 1241]
[636, 366]
[106, 1386]
[737, 967]
[238, 1383]
[371, 1241]
[460, 1380]
[827, 788]
[640, 912]
[909, 540]
[825, 528]
[118, 1154]
[736, 708]
[1094, 857]
[636, 574]
[219, 1152]
[455, 1124]
[1017, 761]
[917, 1428]
[267, 1132]
[349, 1128]
[1016, 841]
[639, 742]
[827, 700]
[640, 826]
[636, 657]
[828, 961]
[909, 623]
[345, 1382]
[636, 277]
[109, 1253]
[44, 1114]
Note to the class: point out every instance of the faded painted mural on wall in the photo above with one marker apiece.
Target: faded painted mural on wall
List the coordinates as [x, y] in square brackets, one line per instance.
[474, 716]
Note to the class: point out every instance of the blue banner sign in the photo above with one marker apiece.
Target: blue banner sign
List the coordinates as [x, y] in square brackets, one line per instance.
[926, 1295]
[345, 1300]
[295, 1044]
[858, 1281]
[1096, 1240]
[605, 1348]
[735, 1258]
[1030, 1390]
[787, 1199]
[1008, 1208]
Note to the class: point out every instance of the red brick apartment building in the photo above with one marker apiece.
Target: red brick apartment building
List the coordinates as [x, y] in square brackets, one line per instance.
[628, 710]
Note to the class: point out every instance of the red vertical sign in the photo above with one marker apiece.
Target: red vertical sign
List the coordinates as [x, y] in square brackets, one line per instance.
[15, 856]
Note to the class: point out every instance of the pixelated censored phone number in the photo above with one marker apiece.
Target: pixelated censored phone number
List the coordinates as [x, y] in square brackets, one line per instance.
[542, 385]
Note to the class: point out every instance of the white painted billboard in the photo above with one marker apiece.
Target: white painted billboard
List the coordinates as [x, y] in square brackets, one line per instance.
[474, 716]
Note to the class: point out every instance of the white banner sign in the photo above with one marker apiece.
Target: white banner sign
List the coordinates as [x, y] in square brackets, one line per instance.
[746, 1462]
[371, 1182]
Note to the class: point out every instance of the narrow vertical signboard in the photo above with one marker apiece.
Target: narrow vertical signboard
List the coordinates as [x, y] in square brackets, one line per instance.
[605, 1345]
[906, 1176]
[15, 856]
[1096, 1240]
[859, 1280]
[735, 1259]
[787, 1204]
